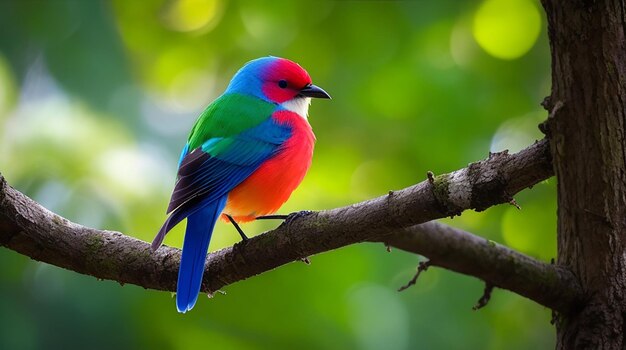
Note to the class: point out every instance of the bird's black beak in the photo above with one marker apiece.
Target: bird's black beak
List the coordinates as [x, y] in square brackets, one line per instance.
[314, 91]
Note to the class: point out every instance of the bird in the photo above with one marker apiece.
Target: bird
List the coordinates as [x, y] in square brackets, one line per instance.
[245, 155]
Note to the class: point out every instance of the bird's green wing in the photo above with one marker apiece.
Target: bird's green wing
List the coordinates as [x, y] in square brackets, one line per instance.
[227, 116]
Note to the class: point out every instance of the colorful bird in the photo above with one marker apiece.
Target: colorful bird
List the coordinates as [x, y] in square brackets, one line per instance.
[245, 155]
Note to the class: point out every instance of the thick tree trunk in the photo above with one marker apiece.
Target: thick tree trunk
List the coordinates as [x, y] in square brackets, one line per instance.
[586, 130]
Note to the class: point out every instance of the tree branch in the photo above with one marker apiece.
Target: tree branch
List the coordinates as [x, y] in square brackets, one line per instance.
[463, 252]
[32, 230]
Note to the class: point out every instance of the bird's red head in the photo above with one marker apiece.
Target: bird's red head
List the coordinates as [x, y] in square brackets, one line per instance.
[283, 80]
[275, 79]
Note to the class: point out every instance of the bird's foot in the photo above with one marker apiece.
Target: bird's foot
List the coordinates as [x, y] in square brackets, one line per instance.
[272, 217]
[299, 214]
[288, 218]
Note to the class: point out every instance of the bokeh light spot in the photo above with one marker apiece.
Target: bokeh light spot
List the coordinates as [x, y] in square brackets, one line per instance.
[515, 134]
[135, 179]
[507, 29]
[193, 15]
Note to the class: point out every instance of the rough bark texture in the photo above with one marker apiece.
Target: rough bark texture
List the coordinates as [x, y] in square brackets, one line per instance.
[586, 131]
[30, 229]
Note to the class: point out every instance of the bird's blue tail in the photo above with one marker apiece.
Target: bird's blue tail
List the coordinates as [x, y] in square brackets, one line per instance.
[200, 226]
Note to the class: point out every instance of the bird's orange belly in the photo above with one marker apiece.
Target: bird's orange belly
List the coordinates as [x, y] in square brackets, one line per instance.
[265, 191]
[269, 187]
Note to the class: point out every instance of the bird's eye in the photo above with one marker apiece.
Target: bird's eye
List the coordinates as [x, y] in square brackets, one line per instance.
[282, 83]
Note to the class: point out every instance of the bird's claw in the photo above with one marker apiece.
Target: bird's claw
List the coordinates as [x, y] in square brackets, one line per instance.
[296, 215]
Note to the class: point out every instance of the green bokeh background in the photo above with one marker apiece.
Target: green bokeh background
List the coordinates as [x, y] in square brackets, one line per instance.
[97, 97]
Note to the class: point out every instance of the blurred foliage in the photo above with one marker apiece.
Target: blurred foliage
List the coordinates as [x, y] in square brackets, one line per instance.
[97, 97]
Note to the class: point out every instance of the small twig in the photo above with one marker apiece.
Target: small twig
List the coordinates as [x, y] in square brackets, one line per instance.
[423, 266]
[484, 299]
[544, 127]
[514, 203]
[212, 294]
[431, 177]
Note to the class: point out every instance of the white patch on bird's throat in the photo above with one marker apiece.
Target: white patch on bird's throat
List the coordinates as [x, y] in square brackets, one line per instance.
[299, 105]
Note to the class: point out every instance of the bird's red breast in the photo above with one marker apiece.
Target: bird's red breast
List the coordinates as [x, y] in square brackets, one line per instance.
[265, 191]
